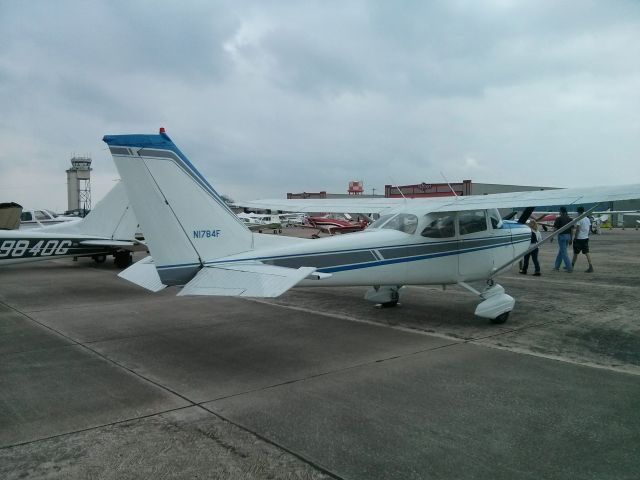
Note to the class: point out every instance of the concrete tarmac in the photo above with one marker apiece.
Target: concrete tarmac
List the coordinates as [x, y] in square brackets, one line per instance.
[101, 379]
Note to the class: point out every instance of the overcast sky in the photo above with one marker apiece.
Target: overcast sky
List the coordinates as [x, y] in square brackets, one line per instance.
[269, 97]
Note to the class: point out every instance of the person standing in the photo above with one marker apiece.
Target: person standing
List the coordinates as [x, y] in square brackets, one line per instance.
[564, 240]
[581, 241]
[535, 238]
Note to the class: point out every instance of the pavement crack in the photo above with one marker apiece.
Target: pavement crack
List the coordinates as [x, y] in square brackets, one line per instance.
[278, 445]
[192, 403]
[101, 355]
[94, 427]
[330, 372]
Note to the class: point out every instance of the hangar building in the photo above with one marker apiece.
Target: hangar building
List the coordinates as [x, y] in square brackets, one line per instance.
[464, 188]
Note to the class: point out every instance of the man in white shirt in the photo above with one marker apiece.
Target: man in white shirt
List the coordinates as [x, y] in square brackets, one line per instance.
[581, 239]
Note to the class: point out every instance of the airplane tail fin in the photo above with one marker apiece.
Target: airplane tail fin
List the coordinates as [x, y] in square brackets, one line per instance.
[112, 217]
[184, 220]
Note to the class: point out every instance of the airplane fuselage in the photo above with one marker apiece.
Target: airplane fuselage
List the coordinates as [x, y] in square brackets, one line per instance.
[384, 257]
[19, 246]
[390, 257]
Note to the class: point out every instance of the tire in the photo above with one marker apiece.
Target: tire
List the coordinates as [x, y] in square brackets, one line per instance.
[391, 304]
[123, 259]
[395, 298]
[99, 258]
[500, 318]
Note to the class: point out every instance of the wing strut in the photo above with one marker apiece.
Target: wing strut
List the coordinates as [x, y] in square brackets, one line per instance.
[545, 240]
[526, 213]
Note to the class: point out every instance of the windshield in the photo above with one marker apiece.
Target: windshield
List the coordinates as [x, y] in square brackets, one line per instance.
[403, 222]
[382, 220]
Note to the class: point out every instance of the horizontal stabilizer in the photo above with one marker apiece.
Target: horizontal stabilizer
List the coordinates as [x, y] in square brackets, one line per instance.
[107, 243]
[245, 280]
[144, 274]
[319, 276]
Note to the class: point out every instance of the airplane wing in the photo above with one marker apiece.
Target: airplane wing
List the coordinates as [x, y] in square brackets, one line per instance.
[108, 243]
[536, 198]
[245, 280]
[622, 212]
[326, 205]
[541, 198]
[598, 212]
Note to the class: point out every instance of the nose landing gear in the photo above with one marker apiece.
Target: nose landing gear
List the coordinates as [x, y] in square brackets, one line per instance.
[496, 304]
[384, 296]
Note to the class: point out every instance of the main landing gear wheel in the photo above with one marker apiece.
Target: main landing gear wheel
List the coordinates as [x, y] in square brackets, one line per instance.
[385, 296]
[123, 259]
[500, 318]
[391, 304]
[99, 258]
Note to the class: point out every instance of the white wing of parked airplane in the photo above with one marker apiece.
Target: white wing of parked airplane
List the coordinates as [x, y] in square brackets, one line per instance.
[536, 198]
[326, 205]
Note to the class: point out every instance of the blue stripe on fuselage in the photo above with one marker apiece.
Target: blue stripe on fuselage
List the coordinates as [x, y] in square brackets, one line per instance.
[455, 251]
[412, 259]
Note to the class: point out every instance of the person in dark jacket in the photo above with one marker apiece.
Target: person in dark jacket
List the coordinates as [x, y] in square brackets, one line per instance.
[533, 255]
[564, 240]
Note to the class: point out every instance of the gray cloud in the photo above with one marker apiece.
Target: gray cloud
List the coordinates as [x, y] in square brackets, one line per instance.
[269, 97]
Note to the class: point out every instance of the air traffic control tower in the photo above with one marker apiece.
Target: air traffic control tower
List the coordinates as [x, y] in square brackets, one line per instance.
[79, 184]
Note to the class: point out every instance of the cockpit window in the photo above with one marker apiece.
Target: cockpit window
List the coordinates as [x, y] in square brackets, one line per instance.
[472, 221]
[40, 215]
[404, 222]
[440, 225]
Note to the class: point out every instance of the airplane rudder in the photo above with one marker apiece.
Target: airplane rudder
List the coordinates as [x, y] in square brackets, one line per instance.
[197, 212]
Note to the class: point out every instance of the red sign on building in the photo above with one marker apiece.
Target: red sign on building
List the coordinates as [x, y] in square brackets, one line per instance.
[428, 190]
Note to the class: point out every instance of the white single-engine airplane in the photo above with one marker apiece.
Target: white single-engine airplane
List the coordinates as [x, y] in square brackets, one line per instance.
[197, 242]
[108, 229]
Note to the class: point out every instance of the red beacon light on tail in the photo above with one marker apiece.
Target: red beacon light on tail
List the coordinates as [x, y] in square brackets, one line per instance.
[162, 131]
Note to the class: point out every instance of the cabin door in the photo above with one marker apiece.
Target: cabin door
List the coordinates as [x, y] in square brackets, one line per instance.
[475, 242]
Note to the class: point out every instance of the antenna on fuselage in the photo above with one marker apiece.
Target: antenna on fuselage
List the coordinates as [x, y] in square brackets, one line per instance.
[398, 188]
[450, 187]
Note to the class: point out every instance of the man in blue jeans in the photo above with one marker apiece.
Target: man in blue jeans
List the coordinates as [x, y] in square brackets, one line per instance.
[564, 240]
